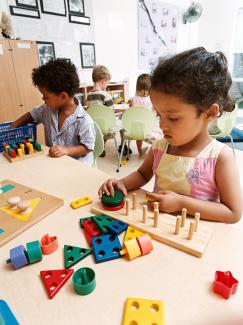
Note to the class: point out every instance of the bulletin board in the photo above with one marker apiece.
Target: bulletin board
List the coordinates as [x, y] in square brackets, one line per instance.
[157, 32]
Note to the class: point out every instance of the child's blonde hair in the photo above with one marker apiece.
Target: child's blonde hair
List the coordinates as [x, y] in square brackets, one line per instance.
[100, 72]
[143, 84]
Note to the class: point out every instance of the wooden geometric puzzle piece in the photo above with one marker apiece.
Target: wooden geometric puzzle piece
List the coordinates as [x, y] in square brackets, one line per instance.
[42, 204]
[17, 214]
[143, 312]
[165, 231]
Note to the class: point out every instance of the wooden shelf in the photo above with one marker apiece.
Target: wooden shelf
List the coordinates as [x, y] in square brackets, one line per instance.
[112, 87]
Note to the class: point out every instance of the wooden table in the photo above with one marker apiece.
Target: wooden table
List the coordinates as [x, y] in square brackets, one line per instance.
[181, 281]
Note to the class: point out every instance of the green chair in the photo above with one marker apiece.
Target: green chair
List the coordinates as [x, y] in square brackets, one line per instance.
[99, 144]
[106, 119]
[137, 123]
[225, 124]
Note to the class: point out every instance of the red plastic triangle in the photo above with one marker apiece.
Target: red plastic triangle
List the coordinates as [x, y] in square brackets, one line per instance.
[53, 280]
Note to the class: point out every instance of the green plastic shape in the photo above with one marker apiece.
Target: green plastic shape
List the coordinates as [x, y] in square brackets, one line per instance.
[34, 252]
[73, 254]
[112, 201]
[102, 221]
[84, 281]
[81, 220]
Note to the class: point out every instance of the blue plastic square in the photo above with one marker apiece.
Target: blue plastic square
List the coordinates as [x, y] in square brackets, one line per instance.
[116, 227]
[106, 247]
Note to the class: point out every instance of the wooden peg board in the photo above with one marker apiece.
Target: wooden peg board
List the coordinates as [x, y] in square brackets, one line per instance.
[12, 226]
[166, 228]
[24, 157]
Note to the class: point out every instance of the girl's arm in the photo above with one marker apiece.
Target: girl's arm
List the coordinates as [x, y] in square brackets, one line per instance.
[24, 119]
[131, 182]
[228, 210]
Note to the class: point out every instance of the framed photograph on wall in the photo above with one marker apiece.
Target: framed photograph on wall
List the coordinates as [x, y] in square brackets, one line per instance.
[46, 52]
[24, 12]
[87, 51]
[79, 19]
[53, 7]
[76, 7]
[27, 4]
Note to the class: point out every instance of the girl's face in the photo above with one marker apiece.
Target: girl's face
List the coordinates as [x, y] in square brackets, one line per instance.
[179, 120]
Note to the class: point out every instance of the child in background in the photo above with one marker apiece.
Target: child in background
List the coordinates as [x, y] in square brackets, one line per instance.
[69, 130]
[98, 95]
[142, 99]
[191, 169]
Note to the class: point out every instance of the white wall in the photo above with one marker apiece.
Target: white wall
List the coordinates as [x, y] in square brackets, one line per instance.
[217, 24]
[114, 26]
[115, 30]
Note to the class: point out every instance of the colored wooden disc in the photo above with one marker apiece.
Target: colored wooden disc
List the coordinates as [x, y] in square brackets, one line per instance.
[118, 207]
[112, 201]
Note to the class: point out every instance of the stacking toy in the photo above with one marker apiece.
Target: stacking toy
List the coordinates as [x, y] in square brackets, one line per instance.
[137, 246]
[48, 244]
[18, 257]
[113, 203]
[34, 252]
[225, 284]
[84, 281]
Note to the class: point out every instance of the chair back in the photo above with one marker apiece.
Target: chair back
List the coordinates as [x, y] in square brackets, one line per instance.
[226, 122]
[104, 116]
[138, 122]
[99, 143]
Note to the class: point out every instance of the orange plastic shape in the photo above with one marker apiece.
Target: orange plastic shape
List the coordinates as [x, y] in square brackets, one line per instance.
[48, 244]
[145, 244]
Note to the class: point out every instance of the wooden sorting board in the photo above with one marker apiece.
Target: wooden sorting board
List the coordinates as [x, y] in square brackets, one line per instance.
[165, 231]
[24, 157]
[11, 226]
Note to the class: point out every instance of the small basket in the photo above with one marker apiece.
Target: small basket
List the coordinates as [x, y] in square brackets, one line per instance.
[17, 135]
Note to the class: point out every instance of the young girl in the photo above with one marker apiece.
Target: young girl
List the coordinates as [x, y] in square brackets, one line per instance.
[191, 169]
[142, 99]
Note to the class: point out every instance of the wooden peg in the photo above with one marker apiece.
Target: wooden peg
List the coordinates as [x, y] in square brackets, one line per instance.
[183, 215]
[127, 207]
[191, 230]
[134, 201]
[197, 218]
[156, 218]
[156, 205]
[144, 213]
[178, 225]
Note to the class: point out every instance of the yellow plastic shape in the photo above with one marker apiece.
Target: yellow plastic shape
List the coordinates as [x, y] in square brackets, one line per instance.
[81, 202]
[132, 233]
[143, 312]
[17, 214]
[132, 249]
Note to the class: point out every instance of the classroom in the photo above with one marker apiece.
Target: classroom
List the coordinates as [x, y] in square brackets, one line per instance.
[121, 154]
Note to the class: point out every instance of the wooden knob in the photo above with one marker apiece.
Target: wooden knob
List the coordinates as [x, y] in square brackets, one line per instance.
[23, 205]
[14, 200]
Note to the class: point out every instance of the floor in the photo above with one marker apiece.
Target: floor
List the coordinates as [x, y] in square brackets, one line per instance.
[108, 163]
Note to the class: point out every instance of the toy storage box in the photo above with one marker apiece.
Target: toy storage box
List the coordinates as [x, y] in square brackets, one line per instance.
[16, 135]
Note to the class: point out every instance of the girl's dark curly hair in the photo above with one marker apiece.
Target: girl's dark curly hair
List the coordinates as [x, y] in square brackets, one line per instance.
[57, 76]
[196, 76]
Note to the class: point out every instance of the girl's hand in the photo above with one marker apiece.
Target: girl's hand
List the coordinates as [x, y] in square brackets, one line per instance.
[110, 185]
[58, 151]
[168, 201]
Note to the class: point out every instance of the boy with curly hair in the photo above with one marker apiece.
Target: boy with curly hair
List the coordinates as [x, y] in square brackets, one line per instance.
[68, 128]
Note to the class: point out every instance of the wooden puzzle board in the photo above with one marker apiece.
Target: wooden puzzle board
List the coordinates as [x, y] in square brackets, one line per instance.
[165, 231]
[24, 157]
[13, 226]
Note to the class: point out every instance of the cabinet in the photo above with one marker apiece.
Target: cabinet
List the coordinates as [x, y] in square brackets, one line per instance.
[120, 89]
[18, 94]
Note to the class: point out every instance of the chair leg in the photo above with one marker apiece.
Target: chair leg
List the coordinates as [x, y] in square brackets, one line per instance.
[232, 143]
[128, 149]
[121, 154]
[117, 155]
